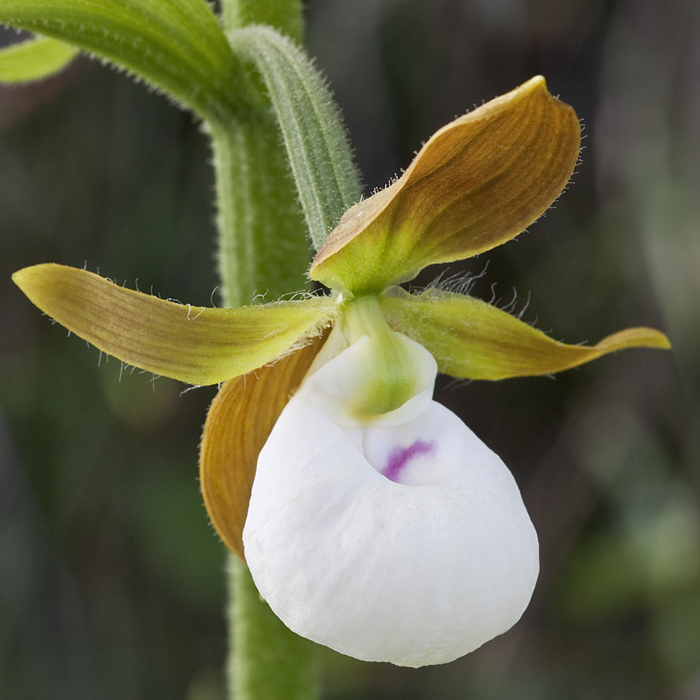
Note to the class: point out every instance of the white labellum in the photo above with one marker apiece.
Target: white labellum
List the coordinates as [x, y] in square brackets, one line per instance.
[403, 540]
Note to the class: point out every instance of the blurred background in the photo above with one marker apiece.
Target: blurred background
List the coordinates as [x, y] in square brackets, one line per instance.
[111, 579]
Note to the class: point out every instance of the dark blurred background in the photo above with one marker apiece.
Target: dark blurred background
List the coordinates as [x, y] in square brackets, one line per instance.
[111, 579]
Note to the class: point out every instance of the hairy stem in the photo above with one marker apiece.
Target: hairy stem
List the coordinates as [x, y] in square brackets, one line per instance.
[262, 237]
[263, 250]
[269, 662]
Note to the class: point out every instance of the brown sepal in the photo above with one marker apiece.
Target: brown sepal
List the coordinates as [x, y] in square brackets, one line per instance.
[477, 183]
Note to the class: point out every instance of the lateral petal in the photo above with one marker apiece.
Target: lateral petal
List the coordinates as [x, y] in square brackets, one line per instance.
[471, 339]
[238, 424]
[477, 183]
[193, 344]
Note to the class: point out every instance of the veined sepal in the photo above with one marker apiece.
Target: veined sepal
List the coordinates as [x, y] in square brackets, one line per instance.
[477, 183]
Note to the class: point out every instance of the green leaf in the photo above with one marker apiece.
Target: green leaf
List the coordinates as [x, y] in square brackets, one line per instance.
[34, 59]
[471, 339]
[284, 15]
[176, 45]
[477, 183]
[193, 344]
[316, 141]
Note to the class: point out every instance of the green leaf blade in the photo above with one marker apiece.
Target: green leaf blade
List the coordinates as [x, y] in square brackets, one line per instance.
[34, 59]
[176, 45]
[196, 345]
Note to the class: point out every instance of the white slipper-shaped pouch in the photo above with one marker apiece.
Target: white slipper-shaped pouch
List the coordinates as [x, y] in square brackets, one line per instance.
[400, 539]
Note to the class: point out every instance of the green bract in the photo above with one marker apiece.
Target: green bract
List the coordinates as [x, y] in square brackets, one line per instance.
[176, 45]
[475, 184]
[247, 84]
[34, 59]
[318, 150]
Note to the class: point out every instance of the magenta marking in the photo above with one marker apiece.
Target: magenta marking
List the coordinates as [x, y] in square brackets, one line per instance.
[399, 457]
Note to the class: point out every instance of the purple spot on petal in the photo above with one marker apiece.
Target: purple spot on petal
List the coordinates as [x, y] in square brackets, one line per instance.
[399, 457]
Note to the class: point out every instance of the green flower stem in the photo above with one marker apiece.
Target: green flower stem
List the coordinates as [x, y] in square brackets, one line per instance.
[284, 174]
[263, 248]
[269, 662]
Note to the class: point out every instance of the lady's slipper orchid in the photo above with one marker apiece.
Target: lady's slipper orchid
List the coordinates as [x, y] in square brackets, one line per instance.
[378, 525]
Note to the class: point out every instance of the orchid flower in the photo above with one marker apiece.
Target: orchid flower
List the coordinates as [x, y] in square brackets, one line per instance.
[372, 519]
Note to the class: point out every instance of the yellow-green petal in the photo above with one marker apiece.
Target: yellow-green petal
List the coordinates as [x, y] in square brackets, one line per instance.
[238, 424]
[193, 344]
[477, 183]
[34, 59]
[471, 339]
